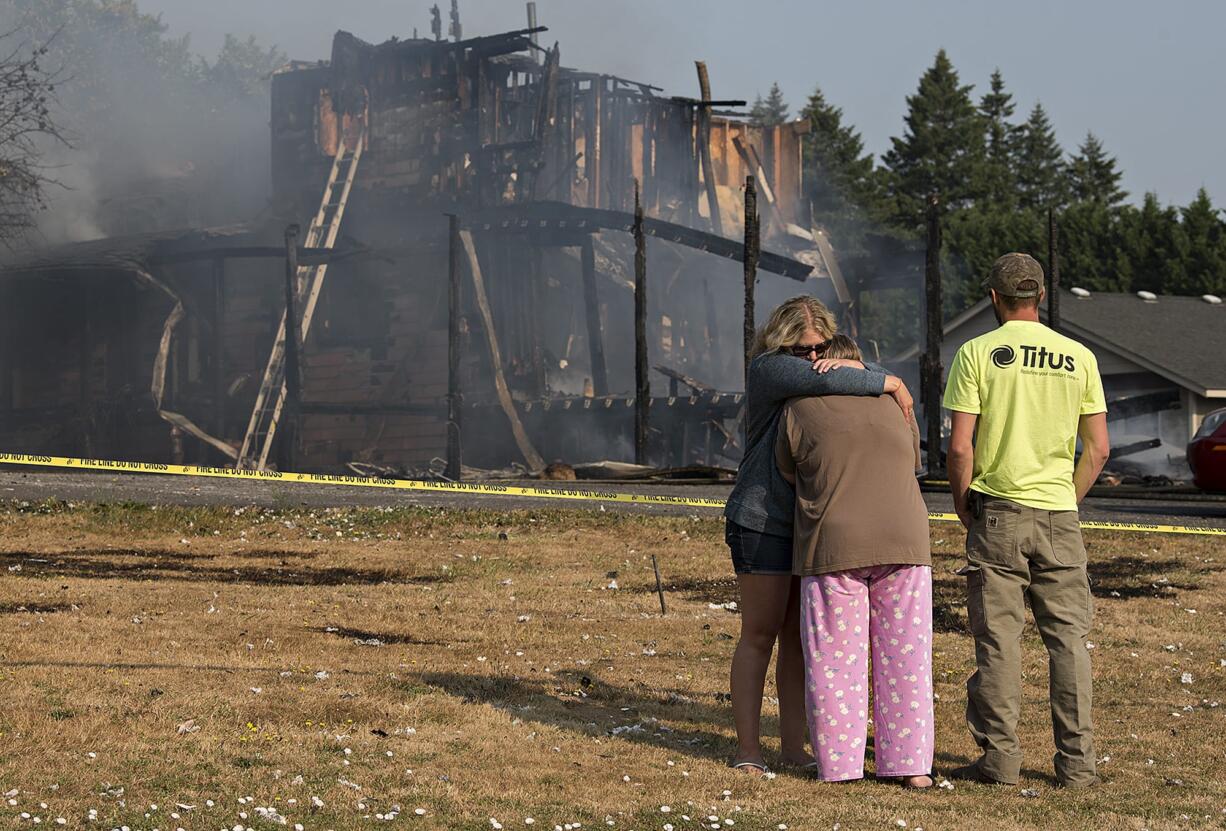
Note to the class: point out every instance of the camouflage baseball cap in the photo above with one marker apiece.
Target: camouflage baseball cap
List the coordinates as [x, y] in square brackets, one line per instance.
[1015, 275]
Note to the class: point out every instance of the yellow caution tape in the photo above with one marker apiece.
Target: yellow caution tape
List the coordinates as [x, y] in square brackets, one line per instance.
[480, 489]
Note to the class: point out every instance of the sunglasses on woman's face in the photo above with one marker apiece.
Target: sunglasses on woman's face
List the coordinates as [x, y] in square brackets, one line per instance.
[801, 350]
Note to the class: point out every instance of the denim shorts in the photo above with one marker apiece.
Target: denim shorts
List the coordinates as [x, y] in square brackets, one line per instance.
[754, 552]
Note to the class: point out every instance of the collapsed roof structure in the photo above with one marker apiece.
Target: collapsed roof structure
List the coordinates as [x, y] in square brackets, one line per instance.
[479, 255]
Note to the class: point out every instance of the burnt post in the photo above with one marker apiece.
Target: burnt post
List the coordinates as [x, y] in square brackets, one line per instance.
[750, 256]
[1053, 270]
[591, 305]
[931, 370]
[219, 350]
[454, 397]
[704, 147]
[642, 381]
[532, 25]
[293, 376]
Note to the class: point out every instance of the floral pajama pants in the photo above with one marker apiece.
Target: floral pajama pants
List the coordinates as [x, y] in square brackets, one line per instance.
[846, 616]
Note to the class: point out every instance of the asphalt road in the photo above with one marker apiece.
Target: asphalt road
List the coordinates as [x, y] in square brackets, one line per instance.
[27, 484]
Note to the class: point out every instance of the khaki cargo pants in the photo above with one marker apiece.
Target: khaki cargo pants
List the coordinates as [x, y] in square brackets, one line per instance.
[1013, 553]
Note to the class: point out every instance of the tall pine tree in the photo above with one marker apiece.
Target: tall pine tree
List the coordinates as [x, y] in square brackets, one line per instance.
[1206, 257]
[838, 173]
[941, 149]
[771, 111]
[1093, 176]
[997, 107]
[1038, 163]
[1156, 244]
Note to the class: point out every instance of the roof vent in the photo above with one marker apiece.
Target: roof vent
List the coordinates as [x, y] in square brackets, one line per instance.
[1211, 299]
[1078, 291]
[1148, 296]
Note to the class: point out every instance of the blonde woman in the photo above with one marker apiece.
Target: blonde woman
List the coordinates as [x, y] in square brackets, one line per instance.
[759, 513]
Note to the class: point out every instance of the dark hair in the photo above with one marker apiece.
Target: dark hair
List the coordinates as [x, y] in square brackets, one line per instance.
[840, 346]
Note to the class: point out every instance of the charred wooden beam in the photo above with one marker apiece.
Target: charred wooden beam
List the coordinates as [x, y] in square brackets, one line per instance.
[749, 157]
[561, 178]
[705, 103]
[534, 460]
[680, 377]
[651, 183]
[930, 365]
[752, 245]
[577, 75]
[532, 23]
[704, 149]
[711, 351]
[546, 123]
[642, 380]
[1129, 449]
[1144, 404]
[1053, 271]
[592, 149]
[293, 375]
[542, 216]
[591, 305]
[454, 395]
[219, 350]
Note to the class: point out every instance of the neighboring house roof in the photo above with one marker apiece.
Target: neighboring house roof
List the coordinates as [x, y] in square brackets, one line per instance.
[1182, 339]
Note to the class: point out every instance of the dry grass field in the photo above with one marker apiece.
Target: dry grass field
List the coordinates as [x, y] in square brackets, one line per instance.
[244, 668]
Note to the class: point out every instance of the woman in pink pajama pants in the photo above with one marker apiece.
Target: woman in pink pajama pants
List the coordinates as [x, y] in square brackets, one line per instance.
[861, 547]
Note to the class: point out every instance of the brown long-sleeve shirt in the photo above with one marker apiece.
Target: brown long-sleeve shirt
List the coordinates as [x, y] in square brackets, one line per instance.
[858, 503]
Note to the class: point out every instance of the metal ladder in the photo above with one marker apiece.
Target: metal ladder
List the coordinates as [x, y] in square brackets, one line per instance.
[269, 402]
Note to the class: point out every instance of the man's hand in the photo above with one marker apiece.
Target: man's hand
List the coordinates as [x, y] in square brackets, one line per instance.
[896, 389]
[962, 509]
[827, 364]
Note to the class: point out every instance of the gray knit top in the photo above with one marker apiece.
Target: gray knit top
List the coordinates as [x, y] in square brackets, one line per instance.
[762, 500]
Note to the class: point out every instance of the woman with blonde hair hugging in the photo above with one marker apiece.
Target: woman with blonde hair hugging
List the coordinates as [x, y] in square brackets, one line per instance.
[786, 364]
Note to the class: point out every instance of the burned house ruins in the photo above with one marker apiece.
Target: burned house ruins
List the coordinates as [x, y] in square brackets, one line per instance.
[469, 253]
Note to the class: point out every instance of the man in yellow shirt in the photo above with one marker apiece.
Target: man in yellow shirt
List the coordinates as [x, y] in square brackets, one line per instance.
[1020, 396]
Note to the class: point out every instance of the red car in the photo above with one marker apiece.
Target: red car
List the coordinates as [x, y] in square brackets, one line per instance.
[1207, 453]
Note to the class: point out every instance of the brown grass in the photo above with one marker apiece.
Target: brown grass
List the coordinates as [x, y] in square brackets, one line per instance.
[510, 682]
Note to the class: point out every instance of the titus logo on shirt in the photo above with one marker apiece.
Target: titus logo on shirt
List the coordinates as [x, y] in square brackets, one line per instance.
[1034, 357]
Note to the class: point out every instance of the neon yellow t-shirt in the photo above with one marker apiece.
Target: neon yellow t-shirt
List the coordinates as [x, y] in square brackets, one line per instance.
[1029, 386]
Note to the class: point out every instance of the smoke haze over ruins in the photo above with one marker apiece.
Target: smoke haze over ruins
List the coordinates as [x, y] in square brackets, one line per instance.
[1135, 73]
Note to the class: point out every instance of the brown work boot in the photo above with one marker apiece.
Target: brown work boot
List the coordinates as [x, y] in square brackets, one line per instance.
[972, 773]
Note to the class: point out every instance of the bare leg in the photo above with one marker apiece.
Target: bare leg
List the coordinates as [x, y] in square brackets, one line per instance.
[764, 607]
[790, 683]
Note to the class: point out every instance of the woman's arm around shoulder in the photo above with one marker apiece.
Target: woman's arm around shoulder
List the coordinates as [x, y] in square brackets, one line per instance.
[778, 377]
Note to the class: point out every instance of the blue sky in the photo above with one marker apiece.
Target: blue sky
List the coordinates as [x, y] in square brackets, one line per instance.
[1146, 77]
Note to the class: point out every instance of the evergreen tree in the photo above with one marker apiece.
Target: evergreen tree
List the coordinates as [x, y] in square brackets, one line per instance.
[941, 149]
[1093, 176]
[1202, 226]
[771, 111]
[1090, 252]
[997, 108]
[1038, 163]
[838, 173]
[1154, 241]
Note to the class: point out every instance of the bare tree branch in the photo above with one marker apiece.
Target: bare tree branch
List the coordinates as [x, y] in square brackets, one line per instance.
[27, 127]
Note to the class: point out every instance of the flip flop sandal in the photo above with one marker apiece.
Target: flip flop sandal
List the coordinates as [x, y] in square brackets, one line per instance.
[759, 766]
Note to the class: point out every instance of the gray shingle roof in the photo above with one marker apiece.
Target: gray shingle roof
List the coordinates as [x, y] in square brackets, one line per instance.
[1182, 338]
